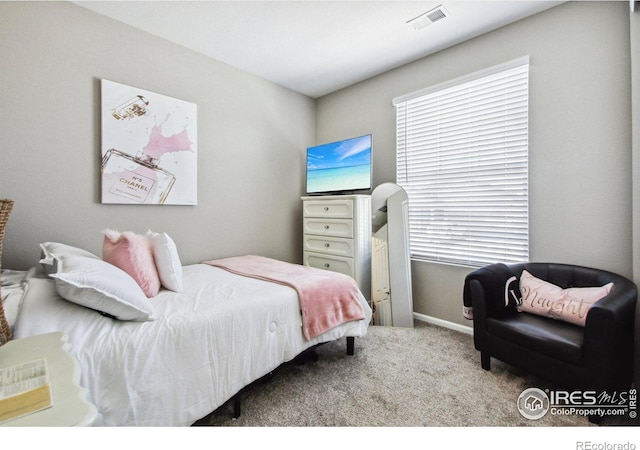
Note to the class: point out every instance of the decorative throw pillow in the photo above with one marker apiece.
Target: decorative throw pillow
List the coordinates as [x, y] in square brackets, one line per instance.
[91, 282]
[132, 253]
[168, 264]
[546, 299]
[512, 294]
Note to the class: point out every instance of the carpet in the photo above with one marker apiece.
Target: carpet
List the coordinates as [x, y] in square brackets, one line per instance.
[427, 376]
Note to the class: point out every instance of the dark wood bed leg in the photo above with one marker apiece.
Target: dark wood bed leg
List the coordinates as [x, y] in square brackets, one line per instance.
[351, 345]
[236, 405]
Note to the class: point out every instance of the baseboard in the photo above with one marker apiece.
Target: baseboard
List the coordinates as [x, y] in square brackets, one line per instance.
[443, 323]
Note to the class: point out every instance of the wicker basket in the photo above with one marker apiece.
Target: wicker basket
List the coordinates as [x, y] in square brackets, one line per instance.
[5, 209]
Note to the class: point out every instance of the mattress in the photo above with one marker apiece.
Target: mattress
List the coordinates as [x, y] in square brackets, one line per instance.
[221, 333]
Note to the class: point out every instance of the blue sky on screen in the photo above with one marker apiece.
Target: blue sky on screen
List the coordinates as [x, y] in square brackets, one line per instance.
[350, 152]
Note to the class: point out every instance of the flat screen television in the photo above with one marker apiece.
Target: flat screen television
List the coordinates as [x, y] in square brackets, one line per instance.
[340, 167]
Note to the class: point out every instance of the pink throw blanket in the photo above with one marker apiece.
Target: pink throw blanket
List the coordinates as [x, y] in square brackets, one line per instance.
[327, 299]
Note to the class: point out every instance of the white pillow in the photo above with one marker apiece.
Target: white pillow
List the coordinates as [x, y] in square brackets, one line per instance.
[51, 250]
[91, 282]
[168, 264]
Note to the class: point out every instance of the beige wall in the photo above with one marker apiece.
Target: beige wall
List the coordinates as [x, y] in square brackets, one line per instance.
[580, 136]
[250, 139]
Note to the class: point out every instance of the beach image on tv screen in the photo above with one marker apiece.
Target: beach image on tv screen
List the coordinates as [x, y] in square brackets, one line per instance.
[340, 166]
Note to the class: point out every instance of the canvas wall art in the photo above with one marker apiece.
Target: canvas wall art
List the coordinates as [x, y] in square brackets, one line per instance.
[149, 147]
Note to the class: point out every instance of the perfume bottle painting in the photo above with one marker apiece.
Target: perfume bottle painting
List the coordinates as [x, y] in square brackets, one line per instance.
[129, 179]
[149, 147]
[135, 107]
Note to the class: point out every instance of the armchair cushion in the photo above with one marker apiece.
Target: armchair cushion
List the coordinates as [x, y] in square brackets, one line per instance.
[547, 336]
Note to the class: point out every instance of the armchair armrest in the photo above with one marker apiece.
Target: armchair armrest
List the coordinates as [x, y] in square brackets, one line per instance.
[490, 292]
[609, 334]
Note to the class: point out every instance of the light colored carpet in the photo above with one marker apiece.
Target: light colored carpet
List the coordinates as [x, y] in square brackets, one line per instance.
[427, 376]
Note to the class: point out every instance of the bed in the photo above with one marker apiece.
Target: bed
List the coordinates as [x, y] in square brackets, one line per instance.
[197, 349]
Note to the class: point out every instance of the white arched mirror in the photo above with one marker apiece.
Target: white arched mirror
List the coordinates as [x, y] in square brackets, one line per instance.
[390, 259]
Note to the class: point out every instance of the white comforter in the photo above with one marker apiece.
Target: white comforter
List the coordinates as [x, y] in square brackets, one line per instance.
[222, 333]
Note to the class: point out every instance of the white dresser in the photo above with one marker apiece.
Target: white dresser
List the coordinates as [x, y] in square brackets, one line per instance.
[337, 236]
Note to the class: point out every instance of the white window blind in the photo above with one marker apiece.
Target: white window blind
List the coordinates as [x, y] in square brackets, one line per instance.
[462, 157]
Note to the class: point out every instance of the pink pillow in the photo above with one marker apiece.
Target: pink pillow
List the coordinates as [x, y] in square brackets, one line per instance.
[570, 305]
[132, 253]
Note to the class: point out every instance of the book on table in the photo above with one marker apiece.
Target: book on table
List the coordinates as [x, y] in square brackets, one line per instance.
[24, 389]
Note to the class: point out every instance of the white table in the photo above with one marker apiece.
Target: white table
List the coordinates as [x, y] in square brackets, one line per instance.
[70, 404]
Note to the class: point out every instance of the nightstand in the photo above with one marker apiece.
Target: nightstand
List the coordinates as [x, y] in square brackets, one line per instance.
[70, 404]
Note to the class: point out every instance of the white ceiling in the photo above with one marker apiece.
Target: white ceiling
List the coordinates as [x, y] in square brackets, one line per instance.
[315, 47]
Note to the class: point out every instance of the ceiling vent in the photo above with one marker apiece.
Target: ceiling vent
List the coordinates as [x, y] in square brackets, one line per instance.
[426, 19]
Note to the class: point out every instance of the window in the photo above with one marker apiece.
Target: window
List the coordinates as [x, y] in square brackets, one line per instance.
[462, 157]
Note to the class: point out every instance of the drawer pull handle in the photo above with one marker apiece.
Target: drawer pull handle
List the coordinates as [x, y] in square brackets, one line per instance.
[327, 245]
[326, 208]
[327, 265]
[326, 227]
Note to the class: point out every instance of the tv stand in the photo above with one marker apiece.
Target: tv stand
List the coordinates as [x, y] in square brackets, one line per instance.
[337, 236]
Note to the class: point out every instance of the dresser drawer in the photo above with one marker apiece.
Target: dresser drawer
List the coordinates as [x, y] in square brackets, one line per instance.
[328, 227]
[328, 208]
[329, 245]
[333, 263]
